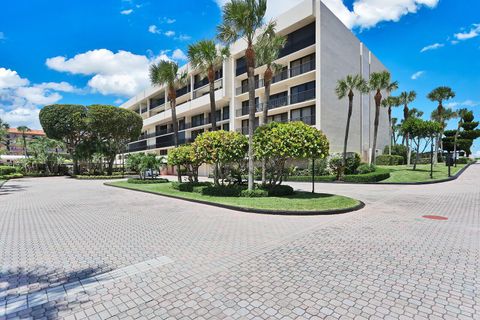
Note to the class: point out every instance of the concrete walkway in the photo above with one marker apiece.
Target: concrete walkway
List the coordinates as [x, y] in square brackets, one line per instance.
[77, 249]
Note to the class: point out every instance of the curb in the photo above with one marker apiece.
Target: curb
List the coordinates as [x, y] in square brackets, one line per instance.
[359, 206]
[454, 177]
[2, 183]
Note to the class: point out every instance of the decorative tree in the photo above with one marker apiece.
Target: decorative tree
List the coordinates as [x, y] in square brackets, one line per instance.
[187, 157]
[406, 98]
[278, 142]
[389, 103]
[67, 123]
[469, 132]
[241, 19]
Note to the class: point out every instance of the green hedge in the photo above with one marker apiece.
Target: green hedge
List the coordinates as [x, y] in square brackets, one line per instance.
[378, 175]
[309, 178]
[279, 191]
[6, 170]
[90, 177]
[255, 193]
[463, 160]
[389, 160]
[11, 176]
[147, 181]
[189, 186]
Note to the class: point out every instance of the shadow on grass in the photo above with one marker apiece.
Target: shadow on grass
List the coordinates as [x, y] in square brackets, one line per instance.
[308, 195]
[22, 292]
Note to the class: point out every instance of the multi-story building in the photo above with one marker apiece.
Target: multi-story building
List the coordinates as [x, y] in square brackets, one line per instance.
[14, 141]
[319, 51]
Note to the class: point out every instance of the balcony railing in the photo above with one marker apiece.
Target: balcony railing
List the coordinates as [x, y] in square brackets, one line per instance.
[280, 102]
[310, 120]
[206, 89]
[244, 88]
[155, 106]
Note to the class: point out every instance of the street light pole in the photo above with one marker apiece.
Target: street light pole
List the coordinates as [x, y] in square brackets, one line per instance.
[313, 175]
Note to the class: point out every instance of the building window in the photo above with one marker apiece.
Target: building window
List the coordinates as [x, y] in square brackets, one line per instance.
[198, 120]
[299, 39]
[245, 125]
[218, 116]
[303, 92]
[306, 115]
[226, 113]
[302, 65]
[282, 117]
[245, 104]
[196, 133]
[241, 66]
[278, 100]
[226, 127]
[181, 124]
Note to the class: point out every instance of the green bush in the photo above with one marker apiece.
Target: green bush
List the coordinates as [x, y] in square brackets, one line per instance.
[147, 181]
[321, 168]
[376, 176]
[399, 150]
[6, 170]
[279, 191]
[92, 177]
[309, 178]
[366, 168]
[389, 160]
[255, 193]
[189, 186]
[223, 191]
[336, 165]
[352, 163]
[11, 176]
[463, 160]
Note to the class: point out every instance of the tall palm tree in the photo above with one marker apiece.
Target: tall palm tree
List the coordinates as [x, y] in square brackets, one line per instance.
[406, 98]
[461, 113]
[378, 81]
[166, 73]
[389, 103]
[241, 18]
[24, 130]
[346, 87]
[440, 94]
[208, 58]
[267, 49]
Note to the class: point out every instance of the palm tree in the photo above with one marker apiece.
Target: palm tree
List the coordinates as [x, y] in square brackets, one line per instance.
[389, 103]
[379, 81]
[166, 73]
[395, 129]
[440, 95]
[346, 87]
[208, 58]
[241, 18]
[24, 130]
[267, 49]
[406, 98]
[443, 118]
[461, 113]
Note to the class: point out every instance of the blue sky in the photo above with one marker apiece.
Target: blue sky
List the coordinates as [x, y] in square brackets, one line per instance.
[89, 51]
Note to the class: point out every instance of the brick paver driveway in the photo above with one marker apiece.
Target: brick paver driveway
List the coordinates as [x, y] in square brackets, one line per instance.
[78, 249]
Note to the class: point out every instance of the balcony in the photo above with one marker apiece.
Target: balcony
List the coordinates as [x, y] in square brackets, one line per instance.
[310, 120]
[244, 88]
[280, 102]
[295, 71]
[206, 89]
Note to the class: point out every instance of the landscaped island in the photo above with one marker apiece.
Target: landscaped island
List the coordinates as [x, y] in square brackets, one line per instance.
[299, 201]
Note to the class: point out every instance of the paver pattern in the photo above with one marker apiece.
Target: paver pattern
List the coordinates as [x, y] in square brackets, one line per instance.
[383, 262]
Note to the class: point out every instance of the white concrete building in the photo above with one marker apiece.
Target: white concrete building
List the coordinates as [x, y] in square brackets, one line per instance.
[320, 50]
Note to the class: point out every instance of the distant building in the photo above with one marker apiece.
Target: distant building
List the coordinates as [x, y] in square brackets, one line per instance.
[14, 142]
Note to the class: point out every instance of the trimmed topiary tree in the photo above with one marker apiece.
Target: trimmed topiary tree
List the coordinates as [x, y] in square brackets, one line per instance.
[186, 157]
[278, 142]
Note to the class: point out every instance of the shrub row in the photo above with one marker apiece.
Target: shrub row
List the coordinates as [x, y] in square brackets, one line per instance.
[376, 176]
[463, 160]
[309, 178]
[189, 186]
[6, 170]
[389, 160]
[366, 168]
[208, 189]
[11, 176]
[91, 177]
[147, 181]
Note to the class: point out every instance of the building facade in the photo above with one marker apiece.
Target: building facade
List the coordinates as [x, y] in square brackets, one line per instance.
[14, 141]
[319, 51]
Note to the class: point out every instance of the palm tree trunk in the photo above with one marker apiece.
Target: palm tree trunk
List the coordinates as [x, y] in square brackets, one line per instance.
[378, 100]
[250, 55]
[268, 82]
[390, 129]
[347, 130]
[173, 106]
[409, 150]
[213, 107]
[417, 155]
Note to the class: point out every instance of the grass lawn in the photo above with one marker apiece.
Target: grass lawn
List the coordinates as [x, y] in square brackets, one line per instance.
[300, 201]
[422, 174]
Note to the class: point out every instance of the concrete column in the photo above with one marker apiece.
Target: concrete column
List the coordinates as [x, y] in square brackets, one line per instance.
[318, 65]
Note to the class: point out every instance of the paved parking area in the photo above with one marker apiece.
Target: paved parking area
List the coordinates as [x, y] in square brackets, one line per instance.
[77, 249]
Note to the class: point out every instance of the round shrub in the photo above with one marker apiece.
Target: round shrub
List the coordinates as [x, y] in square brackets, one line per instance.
[366, 168]
[389, 160]
[223, 191]
[280, 191]
[147, 181]
[462, 160]
[11, 176]
[352, 163]
[6, 170]
[376, 176]
[189, 186]
[255, 193]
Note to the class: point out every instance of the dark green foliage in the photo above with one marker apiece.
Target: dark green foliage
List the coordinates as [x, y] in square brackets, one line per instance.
[463, 160]
[352, 163]
[309, 178]
[469, 133]
[336, 165]
[5, 170]
[366, 168]
[92, 177]
[147, 181]
[279, 191]
[398, 150]
[223, 191]
[189, 186]
[376, 176]
[321, 168]
[11, 176]
[255, 193]
[389, 160]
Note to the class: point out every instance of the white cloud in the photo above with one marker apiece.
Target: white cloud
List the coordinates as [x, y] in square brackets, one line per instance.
[168, 20]
[169, 33]
[366, 13]
[432, 47]
[462, 104]
[2, 35]
[417, 75]
[122, 73]
[118, 101]
[472, 33]
[179, 55]
[126, 12]
[20, 102]
[153, 29]
[183, 37]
